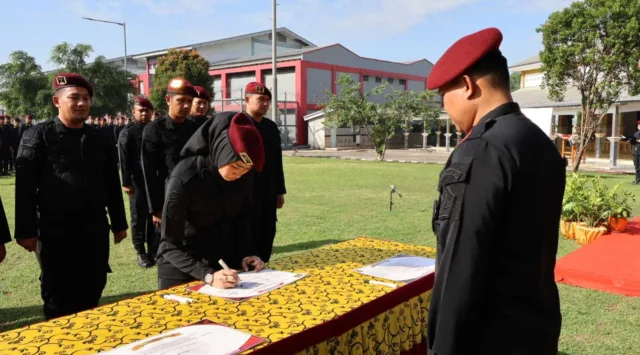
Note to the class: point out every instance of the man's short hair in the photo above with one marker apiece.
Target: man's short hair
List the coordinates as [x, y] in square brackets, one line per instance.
[493, 64]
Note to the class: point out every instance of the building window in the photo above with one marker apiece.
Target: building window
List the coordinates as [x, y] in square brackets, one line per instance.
[390, 80]
[365, 78]
[378, 79]
[281, 38]
[141, 88]
[402, 82]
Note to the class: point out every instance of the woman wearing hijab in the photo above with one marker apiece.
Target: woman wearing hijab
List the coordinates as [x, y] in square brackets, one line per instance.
[207, 202]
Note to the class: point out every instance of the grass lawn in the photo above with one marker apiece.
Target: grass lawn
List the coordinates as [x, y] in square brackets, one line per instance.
[333, 200]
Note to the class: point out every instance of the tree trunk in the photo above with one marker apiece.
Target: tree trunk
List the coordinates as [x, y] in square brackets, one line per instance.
[582, 148]
[381, 151]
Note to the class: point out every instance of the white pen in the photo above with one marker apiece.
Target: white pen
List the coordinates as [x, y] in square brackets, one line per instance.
[179, 299]
[374, 282]
[223, 264]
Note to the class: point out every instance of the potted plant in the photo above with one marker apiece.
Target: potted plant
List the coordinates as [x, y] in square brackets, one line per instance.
[619, 209]
[594, 212]
[574, 196]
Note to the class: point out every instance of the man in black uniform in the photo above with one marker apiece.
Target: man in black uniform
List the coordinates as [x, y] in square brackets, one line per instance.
[5, 233]
[162, 141]
[269, 189]
[66, 180]
[634, 140]
[498, 214]
[9, 137]
[25, 126]
[130, 147]
[200, 106]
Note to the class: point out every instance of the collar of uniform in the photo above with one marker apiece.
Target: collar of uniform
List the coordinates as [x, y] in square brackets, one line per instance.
[490, 117]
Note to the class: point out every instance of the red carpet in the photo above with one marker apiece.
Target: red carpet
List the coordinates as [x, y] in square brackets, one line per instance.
[610, 264]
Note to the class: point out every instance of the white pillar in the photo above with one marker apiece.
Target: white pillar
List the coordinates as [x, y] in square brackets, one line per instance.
[614, 139]
[424, 140]
[438, 132]
[599, 137]
[334, 137]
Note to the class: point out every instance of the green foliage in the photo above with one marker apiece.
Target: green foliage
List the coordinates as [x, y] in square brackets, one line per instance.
[353, 107]
[514, 80]
[187, 64]
[593, 46]
[24, 88]
[111, 85]
[589, 201]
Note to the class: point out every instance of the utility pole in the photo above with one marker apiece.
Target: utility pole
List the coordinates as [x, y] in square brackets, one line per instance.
[274, 59]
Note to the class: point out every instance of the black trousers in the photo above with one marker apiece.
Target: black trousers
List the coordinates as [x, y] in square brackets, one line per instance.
[164, 284]
[264, 219]
[67, 290]
[636, 163]
[145, 237]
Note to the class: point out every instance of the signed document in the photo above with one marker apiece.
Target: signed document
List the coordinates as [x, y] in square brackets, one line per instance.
[202, 338]
[251, 284]
[400, 268]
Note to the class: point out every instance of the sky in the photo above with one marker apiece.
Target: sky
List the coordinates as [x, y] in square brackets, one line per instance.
[395, 30]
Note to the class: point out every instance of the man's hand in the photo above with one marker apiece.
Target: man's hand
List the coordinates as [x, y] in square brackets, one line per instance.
[128, 190]
[280, 201]
[3, 252]
[254, 261]
[157, 219]
[29, 244]
[225, 279]
[119, 236]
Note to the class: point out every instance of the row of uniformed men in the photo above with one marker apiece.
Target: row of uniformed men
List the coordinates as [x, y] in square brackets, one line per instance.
[67, 181]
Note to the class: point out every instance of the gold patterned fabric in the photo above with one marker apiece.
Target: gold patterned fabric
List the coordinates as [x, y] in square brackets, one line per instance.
[312, 316]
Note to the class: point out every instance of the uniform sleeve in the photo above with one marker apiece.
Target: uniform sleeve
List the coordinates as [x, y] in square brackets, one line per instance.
[29, 160]
[124, 151]
[152, 156]
[115, 203]
[244, 237]
[174, 216]
[280, 187]
[5, 233]
[462, 271]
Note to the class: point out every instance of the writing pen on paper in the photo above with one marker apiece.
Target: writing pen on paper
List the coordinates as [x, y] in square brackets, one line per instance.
[379, 283]
[226, 267]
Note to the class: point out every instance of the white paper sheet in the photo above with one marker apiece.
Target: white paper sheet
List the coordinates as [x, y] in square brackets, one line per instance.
[204, 339]
[400, 268]
[251, 284]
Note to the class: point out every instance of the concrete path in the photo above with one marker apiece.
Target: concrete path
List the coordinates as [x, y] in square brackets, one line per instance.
[439, 156]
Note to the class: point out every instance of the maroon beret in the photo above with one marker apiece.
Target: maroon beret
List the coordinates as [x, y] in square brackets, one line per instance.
[142, 101]
[246, 141]
[255, 87]
[462, 55]
[202, 93]
[181, 87]
[66, 80]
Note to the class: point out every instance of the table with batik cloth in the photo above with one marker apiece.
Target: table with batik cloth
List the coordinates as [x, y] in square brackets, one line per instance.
[331, 311]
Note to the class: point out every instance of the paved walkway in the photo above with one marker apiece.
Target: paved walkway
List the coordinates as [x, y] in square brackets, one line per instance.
[439, 156]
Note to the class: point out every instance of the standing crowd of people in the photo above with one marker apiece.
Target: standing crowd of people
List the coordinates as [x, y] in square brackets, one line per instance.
[198, 187]
[203, 189]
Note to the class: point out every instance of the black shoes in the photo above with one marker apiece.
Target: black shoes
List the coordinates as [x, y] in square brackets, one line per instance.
[144, 260]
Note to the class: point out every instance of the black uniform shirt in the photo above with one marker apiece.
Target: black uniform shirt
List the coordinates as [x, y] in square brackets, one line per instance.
[130, 149]
[496, 224]
[635, 137]
[270, 181]
[162, 141]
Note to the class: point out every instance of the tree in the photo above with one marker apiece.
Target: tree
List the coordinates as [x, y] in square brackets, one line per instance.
[408, 105]
[111, 85]
[24, 88]
[514, 79]
[187, 64]
[593, 46]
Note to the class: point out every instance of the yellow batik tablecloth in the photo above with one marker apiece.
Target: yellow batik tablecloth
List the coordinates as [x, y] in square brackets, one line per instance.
[331, 311]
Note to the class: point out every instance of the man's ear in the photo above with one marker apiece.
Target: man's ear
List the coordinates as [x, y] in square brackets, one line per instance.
[469, 86]
[56, 101]
[167, 99]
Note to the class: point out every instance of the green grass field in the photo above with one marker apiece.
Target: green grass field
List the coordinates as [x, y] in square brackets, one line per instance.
[333, 200]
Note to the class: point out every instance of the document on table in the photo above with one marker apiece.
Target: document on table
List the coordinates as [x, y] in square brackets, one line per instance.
[400, 268]
[202, 338]
[251, 284]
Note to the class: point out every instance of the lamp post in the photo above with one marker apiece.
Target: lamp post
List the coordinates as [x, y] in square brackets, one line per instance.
[274, 59]
[124, 27]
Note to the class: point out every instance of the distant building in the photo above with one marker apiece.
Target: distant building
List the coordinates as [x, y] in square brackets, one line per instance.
[305, 71]
[559, 119]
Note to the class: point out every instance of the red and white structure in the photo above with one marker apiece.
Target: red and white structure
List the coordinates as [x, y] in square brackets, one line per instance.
[305, 73]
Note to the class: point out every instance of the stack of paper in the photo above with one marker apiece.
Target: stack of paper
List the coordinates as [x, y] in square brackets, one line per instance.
[400, 268]
[251, 284]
